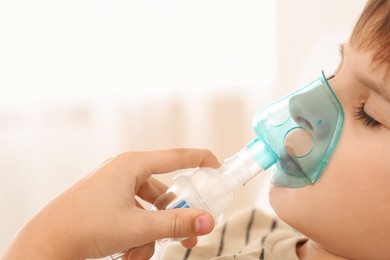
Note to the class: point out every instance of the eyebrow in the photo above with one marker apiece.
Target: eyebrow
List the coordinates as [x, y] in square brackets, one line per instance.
[380, 90]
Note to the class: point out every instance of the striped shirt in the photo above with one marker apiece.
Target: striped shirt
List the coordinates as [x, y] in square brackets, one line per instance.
[247, 235]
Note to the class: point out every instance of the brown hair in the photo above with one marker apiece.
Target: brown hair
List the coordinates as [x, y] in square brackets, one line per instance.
[372, 30]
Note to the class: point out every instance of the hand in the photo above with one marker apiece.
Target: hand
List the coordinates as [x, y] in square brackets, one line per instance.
[100, 215]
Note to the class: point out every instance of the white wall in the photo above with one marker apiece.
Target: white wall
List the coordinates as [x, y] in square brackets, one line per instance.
[60, 49]
[82, 81]
[309, 34]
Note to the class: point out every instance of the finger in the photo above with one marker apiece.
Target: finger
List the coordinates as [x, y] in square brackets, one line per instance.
[176, 159]
[189, 242]
[142, 252]
[145, 164]
[151, 189]
[175, 223]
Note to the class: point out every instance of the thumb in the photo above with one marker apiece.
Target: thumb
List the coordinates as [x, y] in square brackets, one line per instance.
[176, 223]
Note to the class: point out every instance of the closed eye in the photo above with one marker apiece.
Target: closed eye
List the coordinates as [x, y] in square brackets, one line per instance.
[365, 118]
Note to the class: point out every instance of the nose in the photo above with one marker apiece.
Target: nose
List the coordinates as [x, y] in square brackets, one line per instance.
[313, 111]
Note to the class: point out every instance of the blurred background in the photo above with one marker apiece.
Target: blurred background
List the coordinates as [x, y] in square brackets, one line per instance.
[82, 81]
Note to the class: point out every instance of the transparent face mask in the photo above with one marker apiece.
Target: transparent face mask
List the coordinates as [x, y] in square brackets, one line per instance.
[300, 131]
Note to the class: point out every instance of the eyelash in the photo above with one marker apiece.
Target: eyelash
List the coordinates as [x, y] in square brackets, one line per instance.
[366, 119]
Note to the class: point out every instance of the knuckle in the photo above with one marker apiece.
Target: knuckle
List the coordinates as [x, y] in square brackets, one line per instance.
[178, 227]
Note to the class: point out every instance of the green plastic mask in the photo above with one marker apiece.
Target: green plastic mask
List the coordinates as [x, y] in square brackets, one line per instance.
[298, 134]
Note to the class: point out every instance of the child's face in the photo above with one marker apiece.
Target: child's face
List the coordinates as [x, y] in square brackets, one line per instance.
[348, 210]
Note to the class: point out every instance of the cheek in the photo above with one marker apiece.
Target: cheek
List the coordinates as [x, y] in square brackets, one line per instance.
[316, 201]
[356, 167]
[351, 198]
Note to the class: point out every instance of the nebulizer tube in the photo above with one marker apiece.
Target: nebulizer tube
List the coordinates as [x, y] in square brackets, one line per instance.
[296, 135]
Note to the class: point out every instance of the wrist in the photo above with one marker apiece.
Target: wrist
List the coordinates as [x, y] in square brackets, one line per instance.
[43, 237]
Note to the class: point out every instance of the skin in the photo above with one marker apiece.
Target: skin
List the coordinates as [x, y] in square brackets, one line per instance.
[345, 214]
[100, 216]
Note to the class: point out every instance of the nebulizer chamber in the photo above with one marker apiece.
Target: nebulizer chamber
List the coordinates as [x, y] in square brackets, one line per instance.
[295, 135]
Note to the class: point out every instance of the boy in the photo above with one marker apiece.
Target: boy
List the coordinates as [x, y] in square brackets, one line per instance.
[342, 216]
[345, 214]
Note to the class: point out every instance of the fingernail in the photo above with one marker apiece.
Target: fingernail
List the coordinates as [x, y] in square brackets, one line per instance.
[203, 224]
